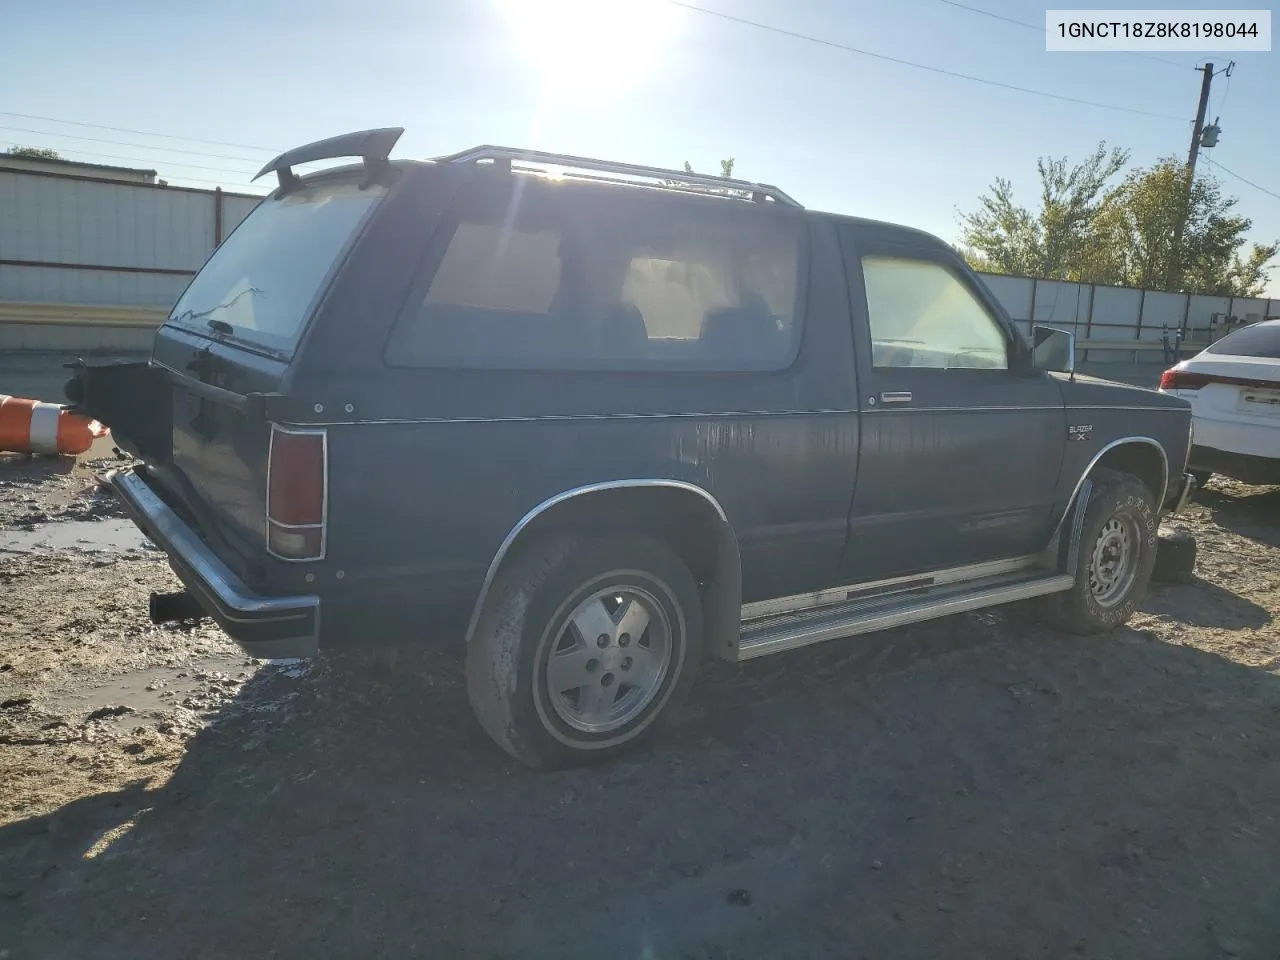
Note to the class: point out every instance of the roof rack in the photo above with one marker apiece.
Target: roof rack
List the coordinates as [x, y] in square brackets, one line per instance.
[504, 156]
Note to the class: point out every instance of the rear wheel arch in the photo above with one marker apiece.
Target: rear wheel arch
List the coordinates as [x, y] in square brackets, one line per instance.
[684, 516]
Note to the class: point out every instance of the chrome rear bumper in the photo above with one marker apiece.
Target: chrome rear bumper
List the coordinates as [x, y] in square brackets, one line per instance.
[266, 627]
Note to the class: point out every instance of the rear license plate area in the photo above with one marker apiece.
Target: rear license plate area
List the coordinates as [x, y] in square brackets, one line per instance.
[1259, 400]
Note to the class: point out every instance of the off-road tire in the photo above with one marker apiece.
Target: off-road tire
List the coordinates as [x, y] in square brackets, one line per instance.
[507, 656]
[1124, 497]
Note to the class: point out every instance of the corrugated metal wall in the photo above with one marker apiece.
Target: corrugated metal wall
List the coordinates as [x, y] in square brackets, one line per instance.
[77, 240]
[91, 264]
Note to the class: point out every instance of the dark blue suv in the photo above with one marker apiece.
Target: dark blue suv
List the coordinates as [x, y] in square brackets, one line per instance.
[600, 421]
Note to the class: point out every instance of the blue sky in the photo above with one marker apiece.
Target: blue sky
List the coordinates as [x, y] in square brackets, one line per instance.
[640, 80]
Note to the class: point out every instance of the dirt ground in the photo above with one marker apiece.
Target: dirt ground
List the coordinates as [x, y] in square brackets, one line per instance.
[974, 787]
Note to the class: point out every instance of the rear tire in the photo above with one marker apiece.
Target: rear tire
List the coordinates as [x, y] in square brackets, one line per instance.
[586, 646]
[1117, 553]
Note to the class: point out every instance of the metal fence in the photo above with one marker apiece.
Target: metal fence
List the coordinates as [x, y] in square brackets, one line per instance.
[1121, 324]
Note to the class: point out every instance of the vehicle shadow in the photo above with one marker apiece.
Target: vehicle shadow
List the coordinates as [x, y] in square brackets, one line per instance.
[976, 786]
[1202, 603]
[1252, 512]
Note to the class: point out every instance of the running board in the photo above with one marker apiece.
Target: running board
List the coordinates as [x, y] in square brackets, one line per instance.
[775, 634]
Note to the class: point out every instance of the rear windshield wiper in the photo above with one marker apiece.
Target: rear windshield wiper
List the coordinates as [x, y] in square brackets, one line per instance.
[220, 325]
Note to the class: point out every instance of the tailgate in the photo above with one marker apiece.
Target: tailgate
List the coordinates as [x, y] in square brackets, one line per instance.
[219, 440]
[233, 335]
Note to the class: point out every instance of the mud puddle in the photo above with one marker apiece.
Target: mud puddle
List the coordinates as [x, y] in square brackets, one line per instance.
[202, 686]
[89, 536]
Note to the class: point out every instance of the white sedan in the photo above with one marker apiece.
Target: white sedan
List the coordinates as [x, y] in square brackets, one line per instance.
[1234, 389]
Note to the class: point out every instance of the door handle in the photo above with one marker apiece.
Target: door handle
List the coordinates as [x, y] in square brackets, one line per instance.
[901, 396]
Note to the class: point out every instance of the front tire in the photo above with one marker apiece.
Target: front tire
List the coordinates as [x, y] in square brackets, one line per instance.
[1117, 553]
[585, 647]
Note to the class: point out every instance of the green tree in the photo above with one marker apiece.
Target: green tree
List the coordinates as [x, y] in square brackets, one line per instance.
[1050, 242]
[726, 170]
[37, 153]
[726, 167]
[1134, 235]
[1125, 235]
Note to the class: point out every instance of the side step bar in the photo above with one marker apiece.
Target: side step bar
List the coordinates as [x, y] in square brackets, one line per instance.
[775, 634]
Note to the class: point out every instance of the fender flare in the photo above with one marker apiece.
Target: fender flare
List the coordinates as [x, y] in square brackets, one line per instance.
[722, 600]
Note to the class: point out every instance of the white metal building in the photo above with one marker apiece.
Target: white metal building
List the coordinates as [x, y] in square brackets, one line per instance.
[93, 259]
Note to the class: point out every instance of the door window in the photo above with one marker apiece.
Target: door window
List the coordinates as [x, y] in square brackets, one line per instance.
[923, 316]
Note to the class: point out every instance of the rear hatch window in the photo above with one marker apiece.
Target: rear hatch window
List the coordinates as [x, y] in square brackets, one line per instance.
[259, 287]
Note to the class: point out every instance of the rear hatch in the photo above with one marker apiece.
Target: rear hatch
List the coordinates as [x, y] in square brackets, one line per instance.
[232, 337]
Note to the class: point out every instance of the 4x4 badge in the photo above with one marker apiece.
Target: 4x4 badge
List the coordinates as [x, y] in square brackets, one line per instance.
[1079, 431]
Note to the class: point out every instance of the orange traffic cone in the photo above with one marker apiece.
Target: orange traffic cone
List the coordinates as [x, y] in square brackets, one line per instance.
[29, 426]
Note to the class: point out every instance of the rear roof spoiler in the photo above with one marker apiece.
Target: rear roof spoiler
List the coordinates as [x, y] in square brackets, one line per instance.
[372, 146]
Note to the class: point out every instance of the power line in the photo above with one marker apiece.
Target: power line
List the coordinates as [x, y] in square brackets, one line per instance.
[122, 143]
[1039, 28]
[166, 163]
[228, 182]
[1222, 104]
[993, 16]
[1270, 193]
[809, 38]
[140, 133]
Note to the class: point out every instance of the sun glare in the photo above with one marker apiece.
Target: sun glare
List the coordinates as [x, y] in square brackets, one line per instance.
[594, 48]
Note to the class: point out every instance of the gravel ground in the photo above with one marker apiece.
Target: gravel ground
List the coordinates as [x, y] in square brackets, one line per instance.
[973, 787]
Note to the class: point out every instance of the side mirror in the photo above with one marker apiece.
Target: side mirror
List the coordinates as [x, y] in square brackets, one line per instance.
[1053, 350]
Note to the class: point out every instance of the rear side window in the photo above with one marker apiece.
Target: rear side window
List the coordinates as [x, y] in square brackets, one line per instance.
[489, 268]
[259, 287]
[556, 276]
[1259, 340]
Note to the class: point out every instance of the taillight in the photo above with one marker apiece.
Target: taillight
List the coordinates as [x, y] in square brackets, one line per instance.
[297, 468]
[1175, 379]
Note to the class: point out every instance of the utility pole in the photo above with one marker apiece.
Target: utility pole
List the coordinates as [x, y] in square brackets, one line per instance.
[1198, 132]
[1175, 252]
